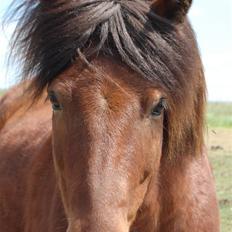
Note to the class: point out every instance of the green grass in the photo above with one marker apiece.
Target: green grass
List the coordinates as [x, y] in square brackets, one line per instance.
[219, 115]
[219, 118]
[222, 166]
[2, 92]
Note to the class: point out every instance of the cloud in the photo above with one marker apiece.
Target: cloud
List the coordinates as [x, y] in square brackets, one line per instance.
[195, 11]
[231, 13]
[218, 72]
[5, 35]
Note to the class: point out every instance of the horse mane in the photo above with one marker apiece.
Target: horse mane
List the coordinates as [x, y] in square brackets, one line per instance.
[50, 35]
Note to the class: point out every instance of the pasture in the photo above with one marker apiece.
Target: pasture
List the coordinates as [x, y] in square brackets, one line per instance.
[219, 143]
[1, 92]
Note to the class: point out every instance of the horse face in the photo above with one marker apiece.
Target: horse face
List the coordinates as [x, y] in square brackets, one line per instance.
[107, 140]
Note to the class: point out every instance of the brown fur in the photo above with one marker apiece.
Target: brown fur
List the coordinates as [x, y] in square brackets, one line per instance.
[177, 199]
[103, 162]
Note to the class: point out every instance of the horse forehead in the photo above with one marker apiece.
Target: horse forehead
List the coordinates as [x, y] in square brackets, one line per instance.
[102, 73]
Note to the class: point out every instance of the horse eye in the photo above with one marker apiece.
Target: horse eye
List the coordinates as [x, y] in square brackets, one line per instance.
[158, 109]
[54, 101]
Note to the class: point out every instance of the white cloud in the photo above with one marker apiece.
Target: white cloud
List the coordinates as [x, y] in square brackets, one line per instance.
[218, 72]
[195, 11]
[231, 13]
[5, 35]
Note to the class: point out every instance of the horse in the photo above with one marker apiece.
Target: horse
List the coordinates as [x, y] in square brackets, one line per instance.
[105, 132]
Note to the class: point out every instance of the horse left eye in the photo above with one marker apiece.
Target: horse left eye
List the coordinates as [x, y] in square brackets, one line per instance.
[158, 109]
[56, 106]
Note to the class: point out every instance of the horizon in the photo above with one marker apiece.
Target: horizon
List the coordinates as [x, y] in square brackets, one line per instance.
[212, 24]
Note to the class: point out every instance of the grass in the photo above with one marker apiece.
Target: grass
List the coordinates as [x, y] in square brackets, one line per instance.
[219, 143]
[1, 92]
[219, 115]
[222, 163]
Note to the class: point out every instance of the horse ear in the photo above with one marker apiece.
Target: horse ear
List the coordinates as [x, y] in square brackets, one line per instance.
[174, 10]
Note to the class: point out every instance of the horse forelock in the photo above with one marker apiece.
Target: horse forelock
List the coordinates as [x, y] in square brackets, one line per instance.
[49, 35]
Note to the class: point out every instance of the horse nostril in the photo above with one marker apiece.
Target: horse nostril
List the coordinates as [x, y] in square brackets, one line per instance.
[144, 177]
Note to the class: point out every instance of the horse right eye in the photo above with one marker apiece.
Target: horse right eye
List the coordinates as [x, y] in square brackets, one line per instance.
[56, 106]
[159, 108]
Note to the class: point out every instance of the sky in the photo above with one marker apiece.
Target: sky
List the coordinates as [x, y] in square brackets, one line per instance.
[212, 23]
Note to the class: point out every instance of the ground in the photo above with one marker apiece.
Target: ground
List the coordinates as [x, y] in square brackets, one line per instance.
[219, 142]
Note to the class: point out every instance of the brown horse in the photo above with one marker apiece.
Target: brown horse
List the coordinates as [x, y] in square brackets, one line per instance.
[122, 150]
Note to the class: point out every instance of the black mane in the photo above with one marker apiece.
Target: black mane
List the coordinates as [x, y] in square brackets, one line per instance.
[49, 34]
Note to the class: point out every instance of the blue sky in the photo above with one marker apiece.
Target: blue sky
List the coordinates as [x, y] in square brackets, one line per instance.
[212, 22]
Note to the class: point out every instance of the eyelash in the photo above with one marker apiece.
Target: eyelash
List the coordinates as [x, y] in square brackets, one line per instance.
[56, 106]
[159, 108]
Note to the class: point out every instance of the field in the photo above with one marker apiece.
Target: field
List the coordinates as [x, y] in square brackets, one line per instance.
[1, 92]
[219, 143]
